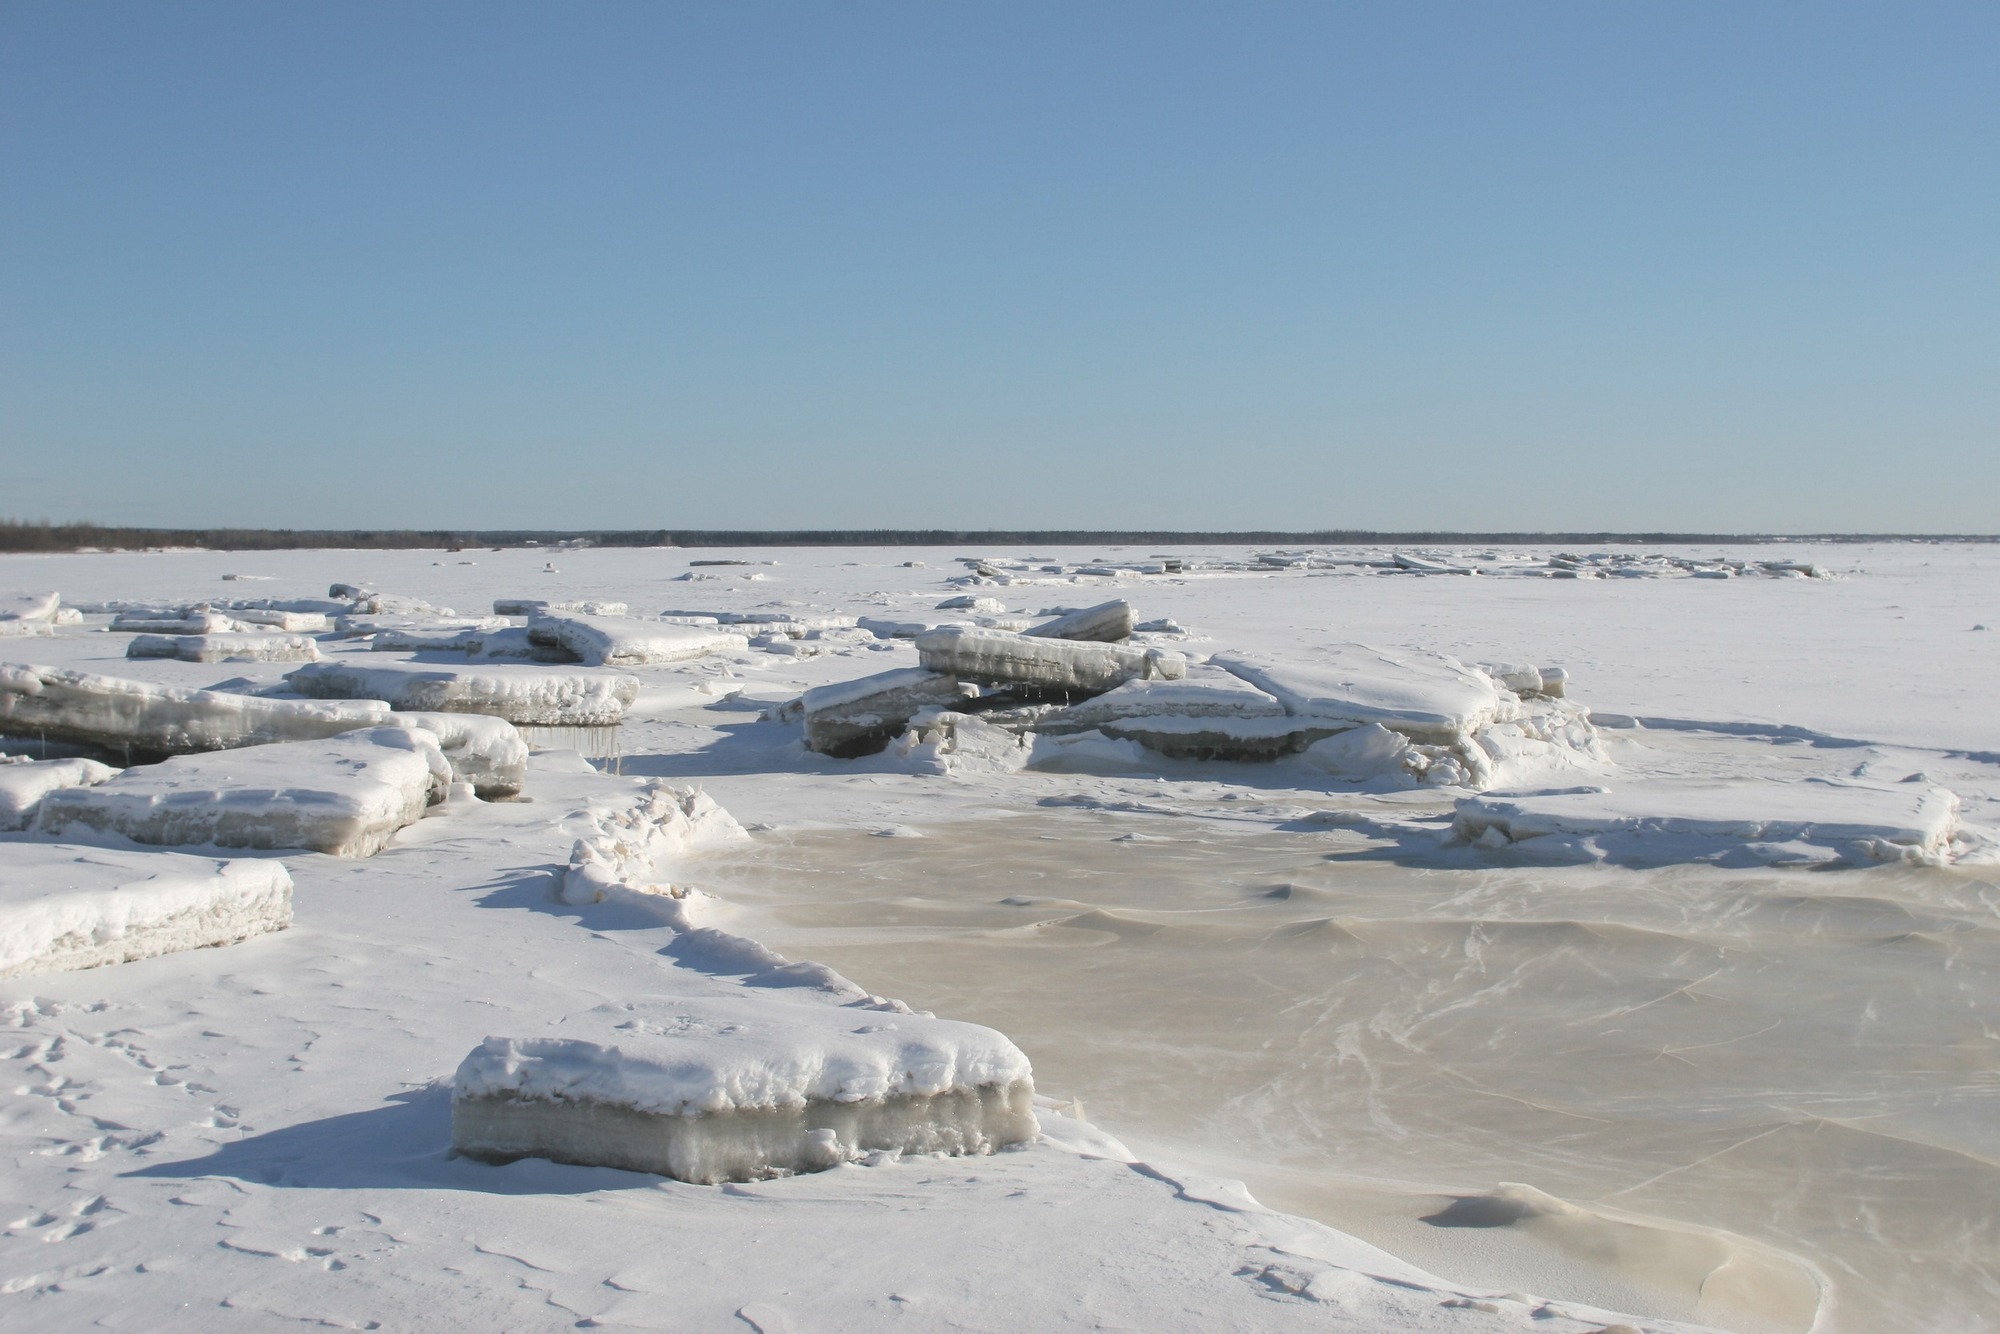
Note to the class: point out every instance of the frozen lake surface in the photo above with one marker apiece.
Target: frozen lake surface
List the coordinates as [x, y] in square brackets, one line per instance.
[1740, 1077]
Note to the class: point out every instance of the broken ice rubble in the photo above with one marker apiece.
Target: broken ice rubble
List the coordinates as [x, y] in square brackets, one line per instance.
[550, 696]
[713, 1089]
[346, 796]
[65, 907]
[118, 714]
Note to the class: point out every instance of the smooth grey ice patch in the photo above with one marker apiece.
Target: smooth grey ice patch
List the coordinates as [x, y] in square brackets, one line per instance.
[65, 907]
[116, 713]
[546, 696]
[711, 1089]
[346, 796]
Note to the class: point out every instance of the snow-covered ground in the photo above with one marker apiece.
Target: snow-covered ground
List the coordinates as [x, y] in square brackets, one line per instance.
[1711, 985]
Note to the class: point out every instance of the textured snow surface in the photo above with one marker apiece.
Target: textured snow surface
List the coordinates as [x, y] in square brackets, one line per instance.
[346, 796]
[22, 786]
[550, 696]
[64, 907]
[117, 713]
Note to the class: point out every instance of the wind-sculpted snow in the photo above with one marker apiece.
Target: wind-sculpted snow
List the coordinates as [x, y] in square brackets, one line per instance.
[120, 714]
[64, 907]
[711, 1089]
[346, 796]
[548, 696]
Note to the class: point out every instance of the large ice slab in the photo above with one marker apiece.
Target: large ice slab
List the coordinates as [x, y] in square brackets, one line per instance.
[549, 696]
[623, 641]
[850, 717]
[1058, 664]
[118, 714]
[1812, 820]
[1409, 690]
[225, 648]
[23, 785]
[482, 750]
[712, 1089]
[1208, 715]
[346, 796]
[40, 607]
[1107, 622]
[65, 907]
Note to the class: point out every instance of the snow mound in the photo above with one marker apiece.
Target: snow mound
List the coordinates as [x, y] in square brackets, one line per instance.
[225, 648]
[112, 712]
[1059, 664]
[65, 907]
[551, 696]
[22, 786]
[346, 796]
[1814, 820]
[712, 1089]
[616, 641]
[633, 850]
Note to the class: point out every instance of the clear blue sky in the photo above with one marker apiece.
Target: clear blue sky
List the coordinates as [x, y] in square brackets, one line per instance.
[1720, 266]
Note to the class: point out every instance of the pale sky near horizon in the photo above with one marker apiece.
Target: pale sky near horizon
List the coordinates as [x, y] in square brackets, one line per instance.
[1474, 266]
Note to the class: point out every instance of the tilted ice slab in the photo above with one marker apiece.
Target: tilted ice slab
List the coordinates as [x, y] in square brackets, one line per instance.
[712, 1089]
[1107, 622]
[22, 786]
[616, 641]
[225, 648]
[115, 713]
[551, 696]
[66, 907]
[1209, 714]
[1060, 664]
[38, 607]
[484, 751]
[1411, 691]
[346, 796]
[848, 715]
[1844, 819]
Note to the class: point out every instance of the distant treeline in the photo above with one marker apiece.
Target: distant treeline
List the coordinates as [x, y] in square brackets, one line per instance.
[43, 536]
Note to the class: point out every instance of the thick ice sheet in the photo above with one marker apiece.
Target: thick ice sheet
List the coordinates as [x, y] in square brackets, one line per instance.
[868, 710]
[548, 696]
[22, 786]
[346, 796]
[1058, 664]
[225, 648]
[118, 713]
[1428, 695]
[64, 907]
[623, 641]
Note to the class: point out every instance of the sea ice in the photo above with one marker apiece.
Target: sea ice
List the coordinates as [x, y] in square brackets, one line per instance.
[549, 696]
[533, 606]
[637, 846]
[1108, 623]
[118, 714]
[64, 907]
[23, 785]
[855, 717]
[39, 607]
[617, 641]
[346, 796]
[712, 1089]
[1057, 664]
[225, 648]
[482, 750]
[201, 621]
[1666, 820]
[1423, 695]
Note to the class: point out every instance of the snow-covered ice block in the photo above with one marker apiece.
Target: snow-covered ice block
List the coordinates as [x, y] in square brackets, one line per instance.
[1668, 820]
[115, 713]
[1107, 623]
[373, 623]
[636, 847]
[1527, 679]
[1207, 715]
[64, 907]
[849, 717]
[711, 1089]
[225, 648]
[484, 751]
[281, 619]
[531, 606]
[883, 627]
[199, 622]
[1061, 664]
[30, 608]
[346, 796]
[1409, 690]
[23, 785]
[550, 696]
[25, 629]
[617, 641]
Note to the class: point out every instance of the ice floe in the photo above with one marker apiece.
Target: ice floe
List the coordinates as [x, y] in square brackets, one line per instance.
[346, 796]
[548, 696]
[64, 907]
[1052, 664]
[1108, 622]
[619, 641]
[855, 717]
[718, 1088]
[23, 784]
[225, 648]
[118, 714]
